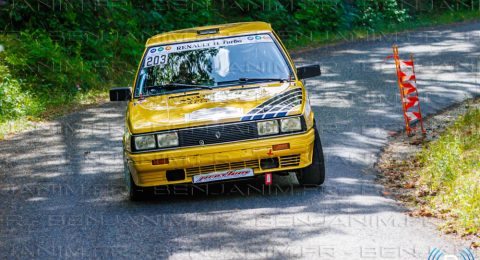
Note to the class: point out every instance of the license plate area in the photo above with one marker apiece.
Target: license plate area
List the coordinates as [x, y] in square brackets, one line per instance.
[223, 175]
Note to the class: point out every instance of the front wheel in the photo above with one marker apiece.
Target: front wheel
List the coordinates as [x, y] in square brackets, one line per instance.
[135, 193]
[314, 174]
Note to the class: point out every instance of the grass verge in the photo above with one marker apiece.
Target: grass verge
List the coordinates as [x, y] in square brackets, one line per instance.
[25, 123]
[439, 175]
[449, 175]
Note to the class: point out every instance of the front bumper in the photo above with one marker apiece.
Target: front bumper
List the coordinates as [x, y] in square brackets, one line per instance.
[208, 159]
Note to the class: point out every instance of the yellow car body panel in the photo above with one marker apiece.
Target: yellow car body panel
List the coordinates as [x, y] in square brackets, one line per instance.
[173, 111]
[163, 112]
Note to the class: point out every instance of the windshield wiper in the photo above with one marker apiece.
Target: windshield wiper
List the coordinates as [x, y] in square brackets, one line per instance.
[181, 86]
[246, 80]
[261, 79]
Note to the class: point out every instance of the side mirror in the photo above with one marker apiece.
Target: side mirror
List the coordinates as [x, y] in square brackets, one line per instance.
[308, 71]
[120, 94]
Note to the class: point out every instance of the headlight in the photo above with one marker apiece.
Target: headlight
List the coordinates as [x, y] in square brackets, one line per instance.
[144, 142]
[291, 124]
[267, 127]
[167, 139]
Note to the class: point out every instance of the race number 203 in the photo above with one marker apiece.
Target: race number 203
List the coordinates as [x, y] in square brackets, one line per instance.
[156, 59]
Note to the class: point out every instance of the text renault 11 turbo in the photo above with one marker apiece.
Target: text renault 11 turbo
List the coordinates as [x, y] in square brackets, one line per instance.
[218, 103]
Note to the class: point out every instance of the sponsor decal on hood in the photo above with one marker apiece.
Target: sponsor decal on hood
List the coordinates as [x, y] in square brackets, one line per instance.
[214, 113]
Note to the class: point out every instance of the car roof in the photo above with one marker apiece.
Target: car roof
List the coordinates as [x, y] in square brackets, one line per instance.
[230, 29]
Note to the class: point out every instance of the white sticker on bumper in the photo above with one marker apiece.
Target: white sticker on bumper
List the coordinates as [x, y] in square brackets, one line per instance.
[223, 175]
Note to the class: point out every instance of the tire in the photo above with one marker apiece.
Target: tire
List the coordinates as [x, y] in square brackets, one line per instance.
[314, 174]
[135, 193]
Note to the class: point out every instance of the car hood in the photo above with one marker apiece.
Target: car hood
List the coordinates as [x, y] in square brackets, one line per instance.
[220, 105]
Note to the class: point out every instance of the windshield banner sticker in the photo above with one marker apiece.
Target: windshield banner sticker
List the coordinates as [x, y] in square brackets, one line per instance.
[159, 54]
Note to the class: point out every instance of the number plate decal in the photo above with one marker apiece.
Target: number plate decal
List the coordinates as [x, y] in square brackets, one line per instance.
[222, 175]
[156, 58]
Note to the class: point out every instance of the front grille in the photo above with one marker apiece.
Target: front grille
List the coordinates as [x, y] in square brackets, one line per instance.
[289, 161]
[285, 161]
[217, 134]
[222, 167]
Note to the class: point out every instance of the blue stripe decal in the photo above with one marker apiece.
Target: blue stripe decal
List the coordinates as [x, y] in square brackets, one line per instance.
[269, 115]
[277, 106]
[264, 116]
[257, 117]
[281, 114]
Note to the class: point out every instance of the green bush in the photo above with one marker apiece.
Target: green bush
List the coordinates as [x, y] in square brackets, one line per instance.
[46, 70]
[14, 102]
[379, 13]
[319, 15]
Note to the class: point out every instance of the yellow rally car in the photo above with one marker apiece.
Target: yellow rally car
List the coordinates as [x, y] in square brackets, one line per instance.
[218, 103]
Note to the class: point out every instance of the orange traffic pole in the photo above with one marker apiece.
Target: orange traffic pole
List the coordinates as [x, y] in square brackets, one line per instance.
[416, 92]
[396, 58]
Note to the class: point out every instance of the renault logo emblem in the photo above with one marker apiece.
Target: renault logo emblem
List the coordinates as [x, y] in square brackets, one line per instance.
[218, 134]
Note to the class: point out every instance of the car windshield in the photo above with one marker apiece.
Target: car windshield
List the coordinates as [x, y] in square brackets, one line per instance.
[211, 63]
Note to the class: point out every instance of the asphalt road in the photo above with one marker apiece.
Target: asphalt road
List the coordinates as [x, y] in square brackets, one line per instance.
[62, 193]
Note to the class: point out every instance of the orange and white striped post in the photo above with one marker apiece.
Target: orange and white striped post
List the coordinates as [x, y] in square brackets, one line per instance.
[407, 84]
